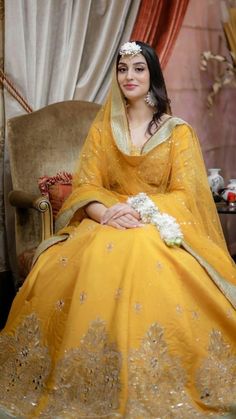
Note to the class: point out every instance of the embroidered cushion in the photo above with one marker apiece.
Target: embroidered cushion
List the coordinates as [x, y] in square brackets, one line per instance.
[56, 188]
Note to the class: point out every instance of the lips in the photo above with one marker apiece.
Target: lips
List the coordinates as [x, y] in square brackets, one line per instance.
[130, 86]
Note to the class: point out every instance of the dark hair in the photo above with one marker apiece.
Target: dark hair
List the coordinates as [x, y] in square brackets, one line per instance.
[157, 82]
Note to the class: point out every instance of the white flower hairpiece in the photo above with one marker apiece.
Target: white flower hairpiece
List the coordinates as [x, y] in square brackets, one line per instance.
[130, 48]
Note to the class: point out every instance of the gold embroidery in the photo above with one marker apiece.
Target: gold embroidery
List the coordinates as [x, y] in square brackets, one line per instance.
[82, 297]
[118, 293]
[59, 305]
[159, 266]
[216, 379]
[109, 247]
[179, 309]
[87, 379]
[137, 307]
[24, 367]
[63, 260]
[195, 315]
[157, 382]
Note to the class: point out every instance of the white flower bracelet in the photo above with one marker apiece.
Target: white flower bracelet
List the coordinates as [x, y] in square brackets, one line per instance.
[167, 225]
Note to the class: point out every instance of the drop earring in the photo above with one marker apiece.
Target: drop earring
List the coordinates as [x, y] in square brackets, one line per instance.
[150, 99]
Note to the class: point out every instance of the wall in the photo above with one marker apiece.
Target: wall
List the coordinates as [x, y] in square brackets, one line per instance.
[188, 88]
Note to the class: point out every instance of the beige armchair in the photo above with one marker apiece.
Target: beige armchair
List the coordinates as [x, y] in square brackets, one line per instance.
[42, 143]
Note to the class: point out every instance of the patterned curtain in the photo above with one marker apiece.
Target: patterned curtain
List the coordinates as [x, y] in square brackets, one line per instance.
[158, 23]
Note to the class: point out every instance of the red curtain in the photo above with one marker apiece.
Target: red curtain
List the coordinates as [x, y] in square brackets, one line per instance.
[158, 23]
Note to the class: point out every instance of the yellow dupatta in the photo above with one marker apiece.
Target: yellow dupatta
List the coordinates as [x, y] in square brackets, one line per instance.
[170, 170]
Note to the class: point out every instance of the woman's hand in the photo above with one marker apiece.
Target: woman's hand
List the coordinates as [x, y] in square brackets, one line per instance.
[121, 216]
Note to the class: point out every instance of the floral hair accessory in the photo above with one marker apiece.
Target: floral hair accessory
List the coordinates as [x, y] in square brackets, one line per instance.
[130, 48]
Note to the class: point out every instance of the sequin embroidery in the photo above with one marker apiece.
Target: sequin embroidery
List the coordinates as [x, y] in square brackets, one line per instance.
[87, 379]
[157, 382]
[216, 379]
[24, 367]
[109, 247]
[82, 297]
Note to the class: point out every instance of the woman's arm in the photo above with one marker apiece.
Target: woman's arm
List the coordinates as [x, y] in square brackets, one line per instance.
[95, 210]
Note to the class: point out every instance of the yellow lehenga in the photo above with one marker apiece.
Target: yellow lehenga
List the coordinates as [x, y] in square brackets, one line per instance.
[114, 323]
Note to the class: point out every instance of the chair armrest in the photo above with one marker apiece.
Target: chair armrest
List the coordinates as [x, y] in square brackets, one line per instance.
[23, 200]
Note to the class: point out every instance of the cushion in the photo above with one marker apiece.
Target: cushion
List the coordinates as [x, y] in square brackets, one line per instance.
[56, 188]
[57, 195]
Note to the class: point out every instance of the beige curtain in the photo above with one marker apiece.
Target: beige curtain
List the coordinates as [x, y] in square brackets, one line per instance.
[58, 50]
[61, 49]
[109, 25]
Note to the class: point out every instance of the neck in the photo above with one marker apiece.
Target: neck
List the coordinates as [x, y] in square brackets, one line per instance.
[138, 111]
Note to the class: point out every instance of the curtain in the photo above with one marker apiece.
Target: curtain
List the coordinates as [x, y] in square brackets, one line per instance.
[59, 47]
[158, 23]
[106, 31]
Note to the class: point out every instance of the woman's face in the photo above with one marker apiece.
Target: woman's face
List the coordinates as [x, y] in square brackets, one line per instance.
[133, 77]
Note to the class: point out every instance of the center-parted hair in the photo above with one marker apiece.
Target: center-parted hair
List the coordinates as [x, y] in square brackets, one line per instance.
[157, 83]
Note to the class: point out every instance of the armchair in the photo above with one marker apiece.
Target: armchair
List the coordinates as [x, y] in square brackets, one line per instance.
[42, 143]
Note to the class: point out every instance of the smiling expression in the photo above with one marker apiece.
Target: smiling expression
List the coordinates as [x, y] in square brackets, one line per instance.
[133, 77]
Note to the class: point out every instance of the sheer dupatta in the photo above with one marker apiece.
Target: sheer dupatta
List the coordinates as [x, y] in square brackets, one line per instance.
[170, 170]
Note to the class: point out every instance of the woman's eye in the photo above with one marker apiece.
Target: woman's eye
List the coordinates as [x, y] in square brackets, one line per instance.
[139, 69]
[121, 69]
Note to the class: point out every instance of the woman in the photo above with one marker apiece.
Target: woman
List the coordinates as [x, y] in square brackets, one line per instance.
[131, 313]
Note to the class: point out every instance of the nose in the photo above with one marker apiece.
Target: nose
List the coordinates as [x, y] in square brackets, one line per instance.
[129, 74]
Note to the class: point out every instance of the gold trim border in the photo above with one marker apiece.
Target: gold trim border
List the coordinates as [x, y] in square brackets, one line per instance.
[228, 289]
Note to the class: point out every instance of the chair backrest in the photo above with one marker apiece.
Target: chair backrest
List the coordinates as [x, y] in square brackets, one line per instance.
[44, 143]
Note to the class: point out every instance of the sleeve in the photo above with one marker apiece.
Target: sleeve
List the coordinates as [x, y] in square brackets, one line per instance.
[89, 181]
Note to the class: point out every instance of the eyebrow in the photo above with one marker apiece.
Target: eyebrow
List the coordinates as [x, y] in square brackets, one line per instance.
[139, 62]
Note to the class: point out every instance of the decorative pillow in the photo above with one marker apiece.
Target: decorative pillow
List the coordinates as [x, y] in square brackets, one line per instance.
[56, 189]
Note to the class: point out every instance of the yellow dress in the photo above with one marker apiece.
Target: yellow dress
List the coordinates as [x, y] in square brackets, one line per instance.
[114, 323]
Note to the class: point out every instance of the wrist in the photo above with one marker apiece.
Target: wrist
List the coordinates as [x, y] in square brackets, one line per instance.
[95, 210]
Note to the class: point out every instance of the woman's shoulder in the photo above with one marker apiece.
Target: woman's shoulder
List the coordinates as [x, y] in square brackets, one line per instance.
[168, 126]
[179, 124]
[175, 120]
[182, 131]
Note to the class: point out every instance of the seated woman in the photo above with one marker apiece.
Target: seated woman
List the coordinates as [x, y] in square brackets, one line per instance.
[130, 310]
